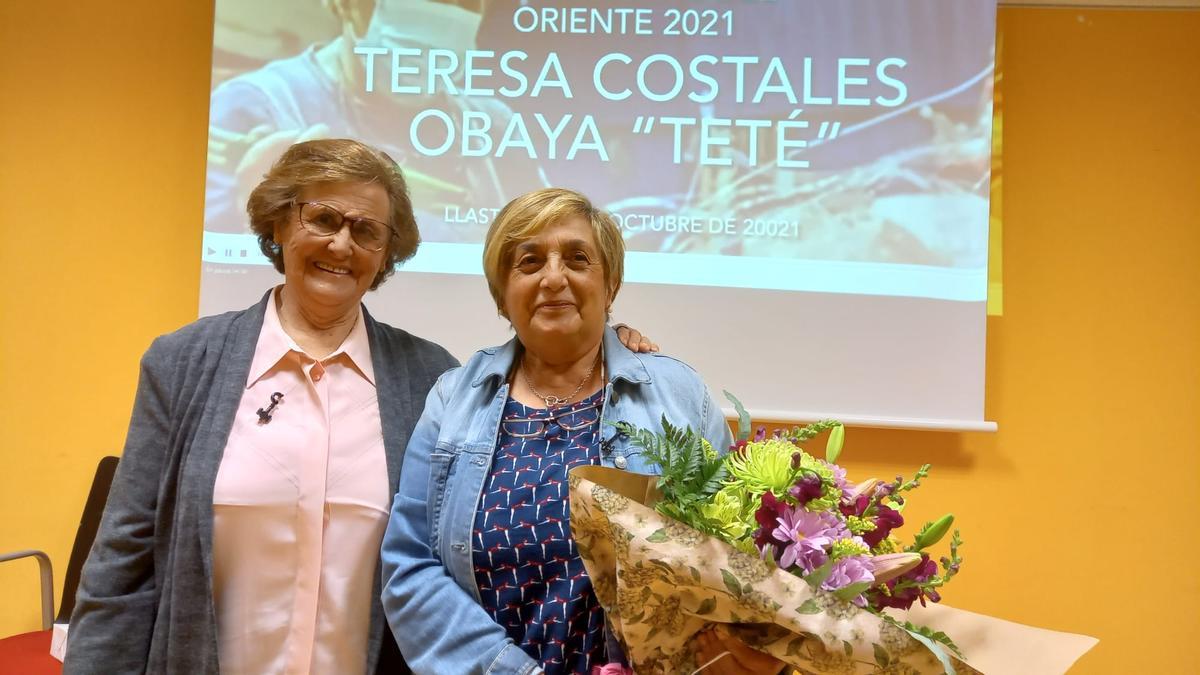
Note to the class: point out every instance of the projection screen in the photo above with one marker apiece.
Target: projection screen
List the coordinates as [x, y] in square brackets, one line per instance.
[802, 185]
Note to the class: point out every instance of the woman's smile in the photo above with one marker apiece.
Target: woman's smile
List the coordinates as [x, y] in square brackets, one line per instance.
[331, 268]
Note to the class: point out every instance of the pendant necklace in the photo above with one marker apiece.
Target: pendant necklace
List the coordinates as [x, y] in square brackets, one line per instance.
[556, 401]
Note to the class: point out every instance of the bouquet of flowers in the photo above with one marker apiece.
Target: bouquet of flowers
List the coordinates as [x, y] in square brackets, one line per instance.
[793, 557]
[771, 497]
[730, 525]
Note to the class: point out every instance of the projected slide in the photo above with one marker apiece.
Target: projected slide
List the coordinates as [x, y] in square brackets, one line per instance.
[793, 145]
[803, 185]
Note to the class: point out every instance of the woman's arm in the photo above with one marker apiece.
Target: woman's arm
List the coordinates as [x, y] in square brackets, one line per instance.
[438, 626]
[117, 599]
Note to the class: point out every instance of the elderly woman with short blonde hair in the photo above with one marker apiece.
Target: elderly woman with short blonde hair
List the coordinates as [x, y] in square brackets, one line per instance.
[481, 574]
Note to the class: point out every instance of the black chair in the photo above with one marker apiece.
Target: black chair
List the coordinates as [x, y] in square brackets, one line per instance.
[30, 652]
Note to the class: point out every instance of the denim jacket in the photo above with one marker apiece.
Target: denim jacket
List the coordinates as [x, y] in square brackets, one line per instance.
[429, 590]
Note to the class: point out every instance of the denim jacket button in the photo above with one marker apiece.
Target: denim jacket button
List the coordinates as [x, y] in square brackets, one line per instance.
[459, 547]
[621, 462]
[478, 460]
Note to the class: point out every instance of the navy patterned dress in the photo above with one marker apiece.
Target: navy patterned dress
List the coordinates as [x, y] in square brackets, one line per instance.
[531, 579]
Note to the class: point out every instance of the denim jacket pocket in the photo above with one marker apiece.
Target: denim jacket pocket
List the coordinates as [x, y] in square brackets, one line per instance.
[441, 467]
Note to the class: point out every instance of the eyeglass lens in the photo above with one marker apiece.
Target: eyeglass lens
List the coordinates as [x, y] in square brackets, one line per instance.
[327, 221]
[571, 421]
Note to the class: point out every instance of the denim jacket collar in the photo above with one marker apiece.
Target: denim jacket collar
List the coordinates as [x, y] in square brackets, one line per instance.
[621, 363]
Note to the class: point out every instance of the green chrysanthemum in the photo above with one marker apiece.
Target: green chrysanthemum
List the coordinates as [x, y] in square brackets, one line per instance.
[764, 466]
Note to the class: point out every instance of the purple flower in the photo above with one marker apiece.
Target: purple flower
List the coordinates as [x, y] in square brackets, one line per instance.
[767, 516]
[847, 571]
[925, 570]
[839, 475]
[806, 554]
[886, 519]
[806, 489]
[905, 597]
[769, 512]
[856, 507]
[807, 535]
[797, 524]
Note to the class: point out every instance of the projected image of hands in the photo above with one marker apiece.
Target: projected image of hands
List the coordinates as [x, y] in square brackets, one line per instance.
[799, 145]
[286, 72]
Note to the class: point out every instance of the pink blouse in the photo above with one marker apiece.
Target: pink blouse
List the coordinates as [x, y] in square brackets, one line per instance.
[299, 509]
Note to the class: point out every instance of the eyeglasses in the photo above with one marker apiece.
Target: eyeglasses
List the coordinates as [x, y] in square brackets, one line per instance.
[574, 420]
[325, 221]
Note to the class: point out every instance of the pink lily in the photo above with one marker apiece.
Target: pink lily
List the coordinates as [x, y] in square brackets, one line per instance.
[891, 565]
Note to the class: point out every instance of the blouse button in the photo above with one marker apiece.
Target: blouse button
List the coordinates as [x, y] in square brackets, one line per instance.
[621, 462]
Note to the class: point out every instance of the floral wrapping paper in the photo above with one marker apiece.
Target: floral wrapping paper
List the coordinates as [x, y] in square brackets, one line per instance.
[660, 582]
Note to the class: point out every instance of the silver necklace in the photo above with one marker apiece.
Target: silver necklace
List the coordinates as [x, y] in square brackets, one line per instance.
[555, 401]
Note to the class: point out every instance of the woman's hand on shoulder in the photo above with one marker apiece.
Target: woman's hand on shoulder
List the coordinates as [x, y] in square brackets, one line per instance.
[634, 340]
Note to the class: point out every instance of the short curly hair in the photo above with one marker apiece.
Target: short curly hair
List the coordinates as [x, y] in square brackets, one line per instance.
[337, 160]
[524, 217]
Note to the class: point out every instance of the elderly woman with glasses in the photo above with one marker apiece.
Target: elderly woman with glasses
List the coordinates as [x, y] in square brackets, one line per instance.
[481, 574]
[243, 528]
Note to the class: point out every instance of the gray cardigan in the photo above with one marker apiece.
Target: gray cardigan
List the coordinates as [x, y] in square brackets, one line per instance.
[145, 598]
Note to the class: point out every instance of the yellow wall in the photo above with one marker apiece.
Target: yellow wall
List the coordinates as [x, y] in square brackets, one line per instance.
[1079, 514]
[103, 114]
